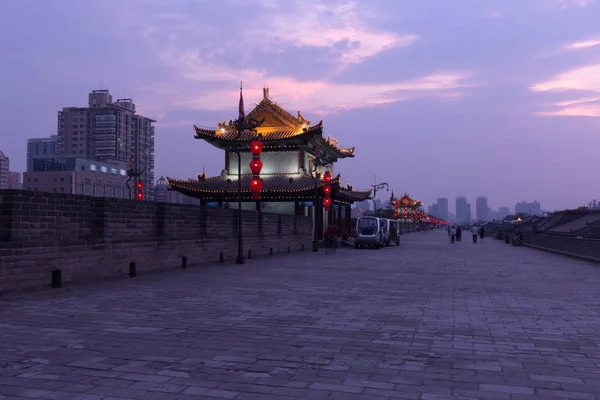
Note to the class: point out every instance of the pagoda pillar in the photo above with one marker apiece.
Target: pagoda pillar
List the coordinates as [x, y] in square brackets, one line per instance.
[330, 216]
[319, 220]
[348, 221]
[339, 217]
[299, 210]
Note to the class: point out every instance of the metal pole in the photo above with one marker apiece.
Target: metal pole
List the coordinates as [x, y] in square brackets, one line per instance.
[240, 256]
[315, 243]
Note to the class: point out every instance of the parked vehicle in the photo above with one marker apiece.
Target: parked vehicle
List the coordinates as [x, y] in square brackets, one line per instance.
[386, 226]
[395, 231]
[369, 232]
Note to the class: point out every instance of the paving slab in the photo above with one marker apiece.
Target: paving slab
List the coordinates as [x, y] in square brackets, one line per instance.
[425, 320]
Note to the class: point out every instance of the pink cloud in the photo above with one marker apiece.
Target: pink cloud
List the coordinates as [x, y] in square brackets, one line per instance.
[311, 24]
[321, 97]
[582, 44]
[584, 78]
[573, 3]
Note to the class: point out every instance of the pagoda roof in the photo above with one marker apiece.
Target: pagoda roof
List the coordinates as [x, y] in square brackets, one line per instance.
[407, 201]
[275, 187]
[278, 126]
[230, 134]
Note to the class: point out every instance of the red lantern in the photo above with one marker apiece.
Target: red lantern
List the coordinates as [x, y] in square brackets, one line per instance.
[327, 190]
[139, 194]
[395, 215]
[256, 185]
[255, 166]
[256, 147]
[327, 177]
[327, 202]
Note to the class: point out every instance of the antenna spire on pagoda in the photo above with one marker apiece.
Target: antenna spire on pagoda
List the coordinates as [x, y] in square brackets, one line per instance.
[242, 112]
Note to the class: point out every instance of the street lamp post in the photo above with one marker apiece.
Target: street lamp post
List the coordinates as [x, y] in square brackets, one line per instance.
[133, 172]
[242, 124]
[317, 162]
[376, 187]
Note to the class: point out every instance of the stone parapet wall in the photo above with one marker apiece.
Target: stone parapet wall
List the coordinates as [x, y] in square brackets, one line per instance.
[583, 248]
[91, 238]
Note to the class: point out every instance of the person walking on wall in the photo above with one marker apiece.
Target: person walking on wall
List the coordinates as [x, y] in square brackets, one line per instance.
[458, 233]
[481, 233]
[452, 234]
[475, 232]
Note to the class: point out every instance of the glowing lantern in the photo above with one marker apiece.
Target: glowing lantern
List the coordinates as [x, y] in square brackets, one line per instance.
[255, 166]
[256, 185]
[327, 177]
[327, 202]
[327, 190]
[256, 147]
[139, 194]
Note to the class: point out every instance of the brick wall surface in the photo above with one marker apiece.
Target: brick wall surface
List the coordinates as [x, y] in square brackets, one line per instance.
[589, 248]
[92, 238]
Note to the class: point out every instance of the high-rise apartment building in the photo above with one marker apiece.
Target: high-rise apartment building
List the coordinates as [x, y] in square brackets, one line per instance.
[481, 209]
[442, 208]
[463, 209]
[433, 210]
[4, 171]
[533, 208]
[503, 211]
[14, 180]
[108, 131]
[41, 147]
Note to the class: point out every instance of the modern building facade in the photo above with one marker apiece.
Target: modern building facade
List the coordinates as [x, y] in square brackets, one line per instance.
[442, 208]
[14, 180]
[503, 211]
[78, 176]
[463, 209]
[533, 208]
[41, 147]
[108, 131]
[4, 171]
[433, 210]
[481, 209]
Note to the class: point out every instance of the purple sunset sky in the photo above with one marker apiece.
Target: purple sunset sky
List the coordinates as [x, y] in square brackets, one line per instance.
[441, 98]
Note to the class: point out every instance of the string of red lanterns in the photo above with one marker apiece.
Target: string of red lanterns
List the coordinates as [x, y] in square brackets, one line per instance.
[256, 165]
[327, 190]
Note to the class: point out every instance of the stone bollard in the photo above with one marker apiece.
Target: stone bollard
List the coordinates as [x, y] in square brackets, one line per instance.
[56, 279]
[132, 269]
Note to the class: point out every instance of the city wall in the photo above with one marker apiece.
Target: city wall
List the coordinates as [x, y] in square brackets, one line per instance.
[90, 238]
[588, 249]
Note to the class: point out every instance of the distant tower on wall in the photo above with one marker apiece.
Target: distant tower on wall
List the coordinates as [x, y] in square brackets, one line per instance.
[108, 131]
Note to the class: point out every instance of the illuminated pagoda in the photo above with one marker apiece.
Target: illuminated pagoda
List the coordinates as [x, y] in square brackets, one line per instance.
[289, 173]
[408, 209]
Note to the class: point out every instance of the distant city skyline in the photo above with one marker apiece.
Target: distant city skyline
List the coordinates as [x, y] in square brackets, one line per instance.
[467, 111]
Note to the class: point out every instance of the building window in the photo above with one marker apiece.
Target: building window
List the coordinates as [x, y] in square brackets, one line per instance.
[62, 189]
[62, 179]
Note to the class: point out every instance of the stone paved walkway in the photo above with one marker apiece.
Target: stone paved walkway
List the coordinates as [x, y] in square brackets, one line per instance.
[427, 320]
